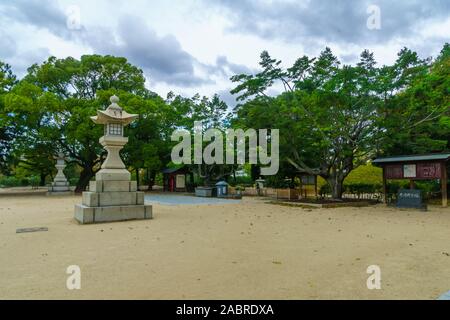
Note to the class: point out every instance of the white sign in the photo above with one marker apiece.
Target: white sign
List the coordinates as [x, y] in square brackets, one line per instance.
[181, 181]
[409, 171]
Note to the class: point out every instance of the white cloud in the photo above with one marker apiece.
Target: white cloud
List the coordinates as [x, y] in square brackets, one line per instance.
[195, 46]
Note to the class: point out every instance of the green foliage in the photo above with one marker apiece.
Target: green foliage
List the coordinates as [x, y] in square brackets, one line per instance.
[212, 112]
[53, 105]
[241, 180]
[7, 182]
[429, 188]
[278, 181]
[324, 190]
[334, 118]
[326, 115]
[159, 179]
[416, 117]
[8, 130]
[14, 181]
[34, 181]
[367, 174]
[73, 181]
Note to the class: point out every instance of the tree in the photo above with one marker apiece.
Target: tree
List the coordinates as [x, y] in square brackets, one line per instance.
[7, 128]
[149, 136]
[416, 118]
[71, 91]
[29, 109]
[212, 112]
[326, 113]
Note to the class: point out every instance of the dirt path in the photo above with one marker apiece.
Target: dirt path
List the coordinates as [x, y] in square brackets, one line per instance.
[251, 250]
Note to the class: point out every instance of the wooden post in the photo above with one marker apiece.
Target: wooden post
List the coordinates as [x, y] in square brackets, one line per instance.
[384, 186]
[315, 186]
[411, 184]
[301, 187]
[444, 184]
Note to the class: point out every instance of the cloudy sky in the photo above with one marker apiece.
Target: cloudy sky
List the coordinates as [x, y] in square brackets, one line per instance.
[190, 46]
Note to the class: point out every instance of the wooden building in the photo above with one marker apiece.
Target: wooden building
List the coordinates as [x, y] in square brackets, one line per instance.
[416, 167]
[178, 179]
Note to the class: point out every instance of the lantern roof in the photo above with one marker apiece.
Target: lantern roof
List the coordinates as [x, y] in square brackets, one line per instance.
[113, 113]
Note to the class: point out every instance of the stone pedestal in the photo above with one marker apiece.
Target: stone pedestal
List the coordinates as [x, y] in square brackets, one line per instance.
[112, 200]
[112, 196]
[60, 185]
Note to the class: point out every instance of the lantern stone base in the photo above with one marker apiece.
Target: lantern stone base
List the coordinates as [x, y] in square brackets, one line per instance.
[85, 214]
[59, 193]
[112, 200]
[59, 188]
[113, 175]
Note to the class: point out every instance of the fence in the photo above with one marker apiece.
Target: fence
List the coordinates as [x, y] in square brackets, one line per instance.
[305, 192]
[290, 194]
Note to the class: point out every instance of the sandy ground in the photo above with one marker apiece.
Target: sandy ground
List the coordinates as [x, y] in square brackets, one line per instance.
[251, 250]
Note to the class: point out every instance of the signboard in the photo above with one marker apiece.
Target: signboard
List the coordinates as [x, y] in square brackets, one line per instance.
[429, 170]
[409, 171]
[394, 171]
[410, 198]
[420, 170]
[181, 181]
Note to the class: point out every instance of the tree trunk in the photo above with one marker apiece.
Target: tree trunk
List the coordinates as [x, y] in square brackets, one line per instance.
[42, 181]
[85, 176]
[151, 179]
[337, 186]
[234, 175]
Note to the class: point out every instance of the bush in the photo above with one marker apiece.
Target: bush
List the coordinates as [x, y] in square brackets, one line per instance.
[428, 186]
[278, 182]
[243, 180]
[34, 181]
[159, 179]
[368, 174]
[73, 181]
[324, 190]
[7, 182]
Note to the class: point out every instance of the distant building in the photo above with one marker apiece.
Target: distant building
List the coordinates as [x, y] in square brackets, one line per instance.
[178, 180]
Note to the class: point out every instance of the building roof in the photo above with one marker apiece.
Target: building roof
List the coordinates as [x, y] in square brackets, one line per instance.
[173, 170]
[412, 158]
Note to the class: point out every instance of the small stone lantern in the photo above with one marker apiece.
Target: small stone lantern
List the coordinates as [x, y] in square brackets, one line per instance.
[260, 186]
[222, 189]
[112, 196]
[60, 185]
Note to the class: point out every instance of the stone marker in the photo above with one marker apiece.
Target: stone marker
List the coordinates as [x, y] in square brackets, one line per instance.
[410, 198]
[60, 185]
[112, 196]
[23, 230]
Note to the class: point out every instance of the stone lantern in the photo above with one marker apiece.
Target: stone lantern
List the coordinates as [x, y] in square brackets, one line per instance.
[60, 185]
[260, 186]
[112, 196]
